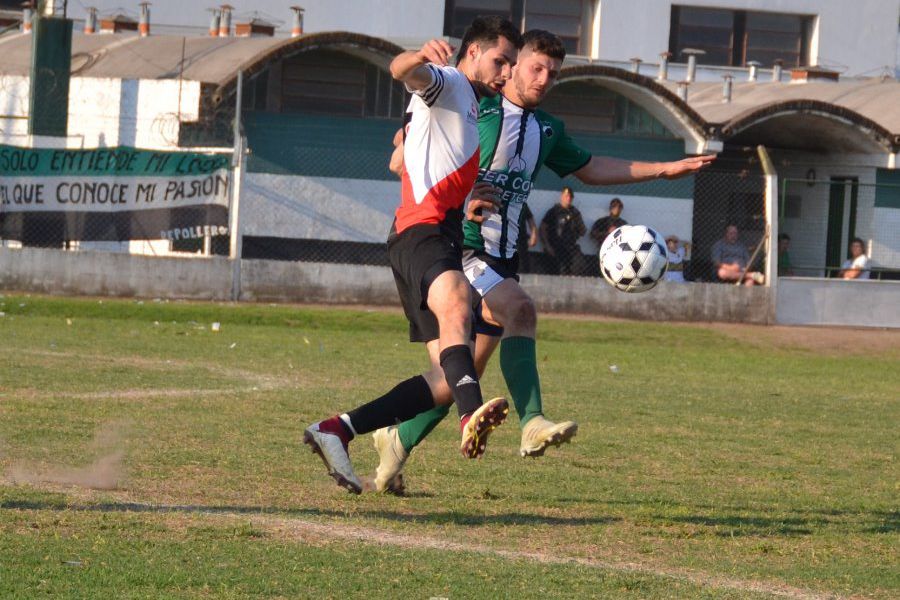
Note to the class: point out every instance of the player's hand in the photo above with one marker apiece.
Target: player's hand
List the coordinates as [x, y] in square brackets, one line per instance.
[484, 201]
[436, 51]
[688, 166]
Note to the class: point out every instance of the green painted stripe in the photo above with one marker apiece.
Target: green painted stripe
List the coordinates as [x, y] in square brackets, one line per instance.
[887, 188]
[121, 161]
[631, 148]
[320, 146]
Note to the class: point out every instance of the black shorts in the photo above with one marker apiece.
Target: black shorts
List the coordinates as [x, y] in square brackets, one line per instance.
[484, 272]
[418, 255]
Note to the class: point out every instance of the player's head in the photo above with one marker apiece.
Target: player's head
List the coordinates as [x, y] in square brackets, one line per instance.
[857, 247]
[488, 52]
[615, 207]
[566, 196]
[731, 234]
[537, 69]
[784, 242]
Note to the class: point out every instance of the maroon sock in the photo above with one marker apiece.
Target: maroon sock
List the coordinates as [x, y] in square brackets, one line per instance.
[336, 426]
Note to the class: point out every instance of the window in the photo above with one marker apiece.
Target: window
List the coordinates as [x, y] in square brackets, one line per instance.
[735, 37]
[565, 18]
[334, 83]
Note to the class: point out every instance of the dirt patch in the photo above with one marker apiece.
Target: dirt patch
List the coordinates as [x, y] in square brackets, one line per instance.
[104, 473]
[838, 341]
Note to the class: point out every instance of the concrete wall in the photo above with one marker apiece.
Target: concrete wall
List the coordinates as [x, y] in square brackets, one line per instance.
[113, 274]
[859, 303]
[109, 274]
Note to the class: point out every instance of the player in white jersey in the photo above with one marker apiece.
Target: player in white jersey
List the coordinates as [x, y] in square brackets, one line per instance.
[425, 243]
[517, 139]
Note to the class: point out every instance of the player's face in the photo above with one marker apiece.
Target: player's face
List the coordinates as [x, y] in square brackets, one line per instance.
[493, 65]
[731, 235]
[533, 76]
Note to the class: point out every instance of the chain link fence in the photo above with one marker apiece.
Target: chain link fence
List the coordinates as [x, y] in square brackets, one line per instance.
[819, 220]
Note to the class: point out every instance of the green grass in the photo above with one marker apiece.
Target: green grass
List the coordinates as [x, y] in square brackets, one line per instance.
[707, 466]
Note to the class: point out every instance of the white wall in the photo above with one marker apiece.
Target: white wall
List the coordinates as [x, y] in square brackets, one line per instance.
[109, 112]
[856, 303]
[858, 34]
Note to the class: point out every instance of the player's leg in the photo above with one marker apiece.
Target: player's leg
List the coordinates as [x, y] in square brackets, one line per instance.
[508, 305]
[330, 438]
[448, 297]
[395, 443]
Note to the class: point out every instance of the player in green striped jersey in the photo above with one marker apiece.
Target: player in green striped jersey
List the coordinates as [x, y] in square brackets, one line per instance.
[516, 140]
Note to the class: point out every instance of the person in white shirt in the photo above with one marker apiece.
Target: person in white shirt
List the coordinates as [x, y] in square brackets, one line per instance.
[676, 253]
[857, 266]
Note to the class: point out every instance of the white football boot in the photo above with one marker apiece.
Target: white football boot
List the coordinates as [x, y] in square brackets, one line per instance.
[483, 421]
[392, 456]
[539, 434]
[334, 453]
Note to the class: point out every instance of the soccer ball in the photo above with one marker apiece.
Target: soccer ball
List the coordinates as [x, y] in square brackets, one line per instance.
[633, 258]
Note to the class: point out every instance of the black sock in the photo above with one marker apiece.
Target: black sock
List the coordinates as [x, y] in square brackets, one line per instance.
[406, 400]
[459, 370]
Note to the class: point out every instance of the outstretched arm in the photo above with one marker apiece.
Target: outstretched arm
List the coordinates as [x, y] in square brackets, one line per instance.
[602, 170]
[409, 67]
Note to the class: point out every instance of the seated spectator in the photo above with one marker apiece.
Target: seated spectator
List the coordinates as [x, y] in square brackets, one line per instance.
[603, 226]
[784, 259]
[560, 229]
[676, 252]
[857, 266]
[730, 259]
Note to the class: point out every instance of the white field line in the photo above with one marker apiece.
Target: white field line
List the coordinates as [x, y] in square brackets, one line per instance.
[318, 533]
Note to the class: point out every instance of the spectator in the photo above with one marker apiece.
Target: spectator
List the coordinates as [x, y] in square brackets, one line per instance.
[676, 253]
[528, 238]
[560, 229]
[731, 260]
[784, 259]
[603, 226]
[857, 266]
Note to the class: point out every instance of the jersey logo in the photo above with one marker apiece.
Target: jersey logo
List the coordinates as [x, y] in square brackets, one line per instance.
[547, 129]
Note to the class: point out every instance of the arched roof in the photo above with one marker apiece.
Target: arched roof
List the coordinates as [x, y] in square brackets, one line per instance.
[675, 114]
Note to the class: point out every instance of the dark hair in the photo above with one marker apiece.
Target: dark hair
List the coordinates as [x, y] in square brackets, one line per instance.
[861, 243]
[784, 236]
[544, 42]
[487, 30]
[569, 190]
[616, 202]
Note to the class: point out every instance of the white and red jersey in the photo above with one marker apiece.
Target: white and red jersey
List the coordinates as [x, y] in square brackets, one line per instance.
[440, 152]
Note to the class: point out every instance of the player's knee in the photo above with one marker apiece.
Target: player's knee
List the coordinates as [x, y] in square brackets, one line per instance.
[523, 313]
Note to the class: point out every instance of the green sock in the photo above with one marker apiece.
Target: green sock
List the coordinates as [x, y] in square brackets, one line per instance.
[413, 431]
[518, 361]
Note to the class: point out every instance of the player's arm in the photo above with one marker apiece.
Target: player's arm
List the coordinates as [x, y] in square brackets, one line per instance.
[396, 164]
[603, 170]
[409, 67]
[533, 231]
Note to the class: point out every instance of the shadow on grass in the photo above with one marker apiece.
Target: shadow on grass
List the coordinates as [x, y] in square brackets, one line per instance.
[740, 526]
[437, 518]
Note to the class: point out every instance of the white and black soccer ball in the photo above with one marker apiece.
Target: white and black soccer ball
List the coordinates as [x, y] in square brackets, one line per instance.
[633, 258]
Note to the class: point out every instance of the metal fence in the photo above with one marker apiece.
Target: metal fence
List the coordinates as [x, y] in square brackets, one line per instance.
[819, 220]
[326, 216]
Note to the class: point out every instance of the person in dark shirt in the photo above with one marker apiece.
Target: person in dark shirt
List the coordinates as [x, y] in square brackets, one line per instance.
[560, 229]
[603, 226]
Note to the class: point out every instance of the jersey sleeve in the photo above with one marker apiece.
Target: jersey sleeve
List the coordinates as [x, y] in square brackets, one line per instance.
[442, 78]
[566, 157]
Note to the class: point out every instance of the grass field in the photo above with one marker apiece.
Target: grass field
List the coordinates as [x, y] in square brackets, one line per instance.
[718, 462]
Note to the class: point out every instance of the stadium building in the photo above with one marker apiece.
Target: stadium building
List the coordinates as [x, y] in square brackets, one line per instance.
[813, 83]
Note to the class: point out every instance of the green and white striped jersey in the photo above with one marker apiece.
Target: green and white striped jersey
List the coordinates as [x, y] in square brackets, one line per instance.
[514, 143]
